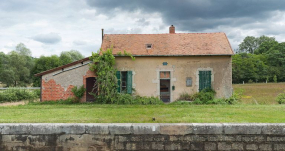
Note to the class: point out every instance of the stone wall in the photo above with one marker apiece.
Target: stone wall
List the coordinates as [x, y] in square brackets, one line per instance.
[68, 137]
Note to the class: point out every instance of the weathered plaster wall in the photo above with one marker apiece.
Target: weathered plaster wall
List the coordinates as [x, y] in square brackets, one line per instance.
[146, 73]
[146, 76]
[104, 137]
[57, 85]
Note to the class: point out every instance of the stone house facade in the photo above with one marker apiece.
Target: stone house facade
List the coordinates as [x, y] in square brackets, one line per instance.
[166, 66]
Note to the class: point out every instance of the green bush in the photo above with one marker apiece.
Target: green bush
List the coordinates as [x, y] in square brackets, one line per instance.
[281, 98]
[78, 92]
[185, 96]
[16, 94]
[207, 96]
[67, 101]
[122, 98]
[275, 79]
[250, 81]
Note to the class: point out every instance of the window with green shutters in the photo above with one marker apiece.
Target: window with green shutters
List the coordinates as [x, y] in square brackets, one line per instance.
[204, 80]
[124, 81]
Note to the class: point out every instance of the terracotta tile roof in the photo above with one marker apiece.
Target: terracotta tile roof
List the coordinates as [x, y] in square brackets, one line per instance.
[169, 44]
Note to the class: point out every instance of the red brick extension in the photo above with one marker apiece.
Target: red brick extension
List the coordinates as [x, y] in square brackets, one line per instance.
[52, 91]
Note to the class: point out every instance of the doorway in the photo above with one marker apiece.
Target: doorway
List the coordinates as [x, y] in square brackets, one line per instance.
[165, 86]
[90, 88]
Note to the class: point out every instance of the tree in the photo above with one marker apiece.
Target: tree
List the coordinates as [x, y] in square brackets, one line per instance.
[42, 64]
[265, 46]
[250, 44]
[2, 57]
[70, 56]
[16, 70]
[23, 50]
[276, 61]
[247, 67]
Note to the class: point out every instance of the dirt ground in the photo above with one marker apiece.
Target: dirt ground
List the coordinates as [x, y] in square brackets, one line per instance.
[13, 103]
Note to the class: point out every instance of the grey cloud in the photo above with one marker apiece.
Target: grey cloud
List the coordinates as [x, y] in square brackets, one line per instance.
[196, 15]
[142, 22]
[50, 38]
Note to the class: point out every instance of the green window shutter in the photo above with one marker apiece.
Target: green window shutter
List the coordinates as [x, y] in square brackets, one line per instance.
[200, 80]
[118, 74]
[204, 80]
[129, 82]
[208, 79]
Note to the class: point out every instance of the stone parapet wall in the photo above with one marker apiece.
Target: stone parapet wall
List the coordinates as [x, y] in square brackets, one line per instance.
[142, 137]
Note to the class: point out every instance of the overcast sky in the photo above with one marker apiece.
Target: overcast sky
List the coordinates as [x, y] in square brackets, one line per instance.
[48, 27]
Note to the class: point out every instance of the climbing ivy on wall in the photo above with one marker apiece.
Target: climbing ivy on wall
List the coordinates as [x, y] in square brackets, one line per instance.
[106, 80]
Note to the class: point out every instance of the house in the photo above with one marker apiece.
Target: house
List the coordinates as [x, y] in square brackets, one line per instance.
[166, 66]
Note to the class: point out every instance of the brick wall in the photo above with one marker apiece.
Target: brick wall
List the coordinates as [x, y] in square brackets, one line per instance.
[52, 91]
[56, 86]
[129, 136]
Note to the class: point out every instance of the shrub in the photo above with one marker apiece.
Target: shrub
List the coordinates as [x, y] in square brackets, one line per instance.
[185, 96]
[16, 94]
[122, 98]
[236, 97]
[281, 98]
[78, 93]
[250, 81]
[147, 100]
[207, 96]
[204, 96]
[275, 79]
[67, 101]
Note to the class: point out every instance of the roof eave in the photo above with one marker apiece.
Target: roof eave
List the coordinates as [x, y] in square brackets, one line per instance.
[175, 55]
[60, 67]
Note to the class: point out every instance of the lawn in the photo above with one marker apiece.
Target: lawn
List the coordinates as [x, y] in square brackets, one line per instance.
[257, 106]
[94, 113]
[260, 93]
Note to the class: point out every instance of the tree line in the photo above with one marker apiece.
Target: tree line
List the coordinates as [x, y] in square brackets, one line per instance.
[259, 59]
[17, 68]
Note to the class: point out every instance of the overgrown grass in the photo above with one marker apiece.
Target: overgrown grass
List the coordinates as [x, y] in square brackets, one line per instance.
[260, 93]
[111, 113]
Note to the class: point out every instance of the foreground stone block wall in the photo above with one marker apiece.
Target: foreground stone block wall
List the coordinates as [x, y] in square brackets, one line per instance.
[94, 137]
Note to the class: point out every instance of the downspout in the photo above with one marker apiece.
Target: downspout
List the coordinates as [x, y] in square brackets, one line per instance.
[41, 89]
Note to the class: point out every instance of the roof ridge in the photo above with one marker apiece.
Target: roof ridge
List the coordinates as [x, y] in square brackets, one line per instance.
[169, 34]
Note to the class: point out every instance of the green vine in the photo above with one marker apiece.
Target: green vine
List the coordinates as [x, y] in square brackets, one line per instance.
[126, 54]
[106, 80]
[78, 92]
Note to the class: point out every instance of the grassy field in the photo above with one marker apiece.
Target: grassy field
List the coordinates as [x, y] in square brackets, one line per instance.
[260, 93]
[94, 113]
[252, 109]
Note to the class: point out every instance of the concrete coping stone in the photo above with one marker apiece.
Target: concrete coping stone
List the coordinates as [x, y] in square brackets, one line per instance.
[142, 128]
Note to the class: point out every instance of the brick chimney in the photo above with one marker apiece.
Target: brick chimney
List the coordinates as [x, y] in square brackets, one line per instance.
[172, 29]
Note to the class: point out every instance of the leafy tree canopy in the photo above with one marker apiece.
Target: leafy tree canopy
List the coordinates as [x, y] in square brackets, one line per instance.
[251, 44]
